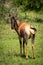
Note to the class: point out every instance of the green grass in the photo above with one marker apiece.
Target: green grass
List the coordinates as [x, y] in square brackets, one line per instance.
[9, 46]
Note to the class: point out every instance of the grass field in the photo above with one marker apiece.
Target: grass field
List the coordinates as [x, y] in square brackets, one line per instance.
[9, 46]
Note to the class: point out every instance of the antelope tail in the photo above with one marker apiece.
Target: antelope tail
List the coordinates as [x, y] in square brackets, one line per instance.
[34, 29]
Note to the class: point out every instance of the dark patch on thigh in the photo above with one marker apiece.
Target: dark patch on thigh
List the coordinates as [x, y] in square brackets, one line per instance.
[25, 37]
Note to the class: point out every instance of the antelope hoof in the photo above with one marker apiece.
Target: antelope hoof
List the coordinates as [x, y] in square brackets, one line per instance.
[26, 58]
[21, 55]
[33, 57]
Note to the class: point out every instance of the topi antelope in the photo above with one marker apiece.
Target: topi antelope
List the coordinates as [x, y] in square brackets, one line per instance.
[25, 31]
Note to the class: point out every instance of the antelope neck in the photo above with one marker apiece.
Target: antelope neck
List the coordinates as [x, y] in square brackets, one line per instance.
[16, 27]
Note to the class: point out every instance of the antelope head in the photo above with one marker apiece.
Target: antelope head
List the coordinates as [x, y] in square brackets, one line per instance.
[13, 18]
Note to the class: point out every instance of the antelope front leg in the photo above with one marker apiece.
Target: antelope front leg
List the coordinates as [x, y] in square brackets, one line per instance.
[23, 47]
[20, 46]
[26, 51]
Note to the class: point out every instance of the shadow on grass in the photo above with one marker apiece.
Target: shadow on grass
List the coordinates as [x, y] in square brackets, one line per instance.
[15, 54]
[22, 56]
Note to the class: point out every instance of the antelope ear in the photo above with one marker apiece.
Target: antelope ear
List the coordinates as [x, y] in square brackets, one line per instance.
[15, 17]
[10, 16]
